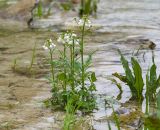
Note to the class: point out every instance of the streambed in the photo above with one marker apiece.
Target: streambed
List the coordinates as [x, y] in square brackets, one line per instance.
[21, 94]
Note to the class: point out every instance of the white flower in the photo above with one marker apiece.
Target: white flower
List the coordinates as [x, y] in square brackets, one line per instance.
[45, 47]
[68, 38]
[70, 42]
[50, 40]
[87, 22]
[81, 22]
[74, 35]
[49, 45]
[52, 46]
[61, 40]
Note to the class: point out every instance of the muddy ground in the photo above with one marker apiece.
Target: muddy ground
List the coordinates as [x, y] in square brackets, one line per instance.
[22, 95]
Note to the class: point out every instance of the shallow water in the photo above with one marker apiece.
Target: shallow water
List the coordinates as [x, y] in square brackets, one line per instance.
[21, 95]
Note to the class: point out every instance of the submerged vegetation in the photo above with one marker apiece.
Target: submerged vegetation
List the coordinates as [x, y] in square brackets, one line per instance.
[133, 78]
[152, 81]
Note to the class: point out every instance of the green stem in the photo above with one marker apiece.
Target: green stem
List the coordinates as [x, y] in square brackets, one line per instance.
[52, 66]
[82, 49]
[71, 60]
[147, 104]
[65, 82]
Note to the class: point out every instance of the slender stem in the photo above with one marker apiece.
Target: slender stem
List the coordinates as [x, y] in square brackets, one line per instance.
[73, 61]
[147, 104]
[52, 66]
[82, 49]
[65, 82]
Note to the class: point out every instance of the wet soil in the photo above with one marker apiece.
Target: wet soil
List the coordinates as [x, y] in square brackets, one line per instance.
[22, 95]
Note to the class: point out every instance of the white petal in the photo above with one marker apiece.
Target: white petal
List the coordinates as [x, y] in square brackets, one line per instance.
[66, 37]
[60, 39]
[50, 40]
[80, 22]
[76, 43]
[88, 21]
[74, 35]
[45, 47]
[52, 46]
[70, 42]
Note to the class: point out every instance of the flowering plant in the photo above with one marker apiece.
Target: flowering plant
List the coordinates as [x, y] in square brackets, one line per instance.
[73, 81]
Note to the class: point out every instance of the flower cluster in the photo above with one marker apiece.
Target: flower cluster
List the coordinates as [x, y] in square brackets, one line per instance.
[49, 45]
[69, 38]
[87, 22]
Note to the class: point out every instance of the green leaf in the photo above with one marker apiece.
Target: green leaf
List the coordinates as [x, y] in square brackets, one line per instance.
[117, 84]
[77, 66]
[152, 82]
[138, 77]
[93, 77]
[88, 7]
[95, 6]
[153, 74]
[61, 76]
[158, 105]
[39, 10]
[92, 87]
[158, 81]
[130, 78]
[120, 77]
[89, 60]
